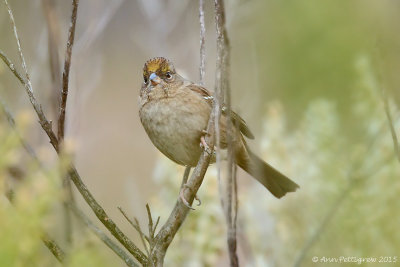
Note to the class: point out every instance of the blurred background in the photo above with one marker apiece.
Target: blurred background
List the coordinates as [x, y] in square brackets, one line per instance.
[307, 76]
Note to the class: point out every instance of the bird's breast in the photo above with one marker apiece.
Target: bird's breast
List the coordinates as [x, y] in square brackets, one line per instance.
[175, 124]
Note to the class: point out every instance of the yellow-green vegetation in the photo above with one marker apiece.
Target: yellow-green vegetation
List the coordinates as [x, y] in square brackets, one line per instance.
[351, 184]
[36, 194]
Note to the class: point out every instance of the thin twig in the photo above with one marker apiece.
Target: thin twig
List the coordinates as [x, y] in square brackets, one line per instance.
[185, 176]
[150, 218]
[152, 231]
[100, 234]
[219, 94]
[53, 247]
[136, 225]
[61, 119]
[14, 27]
[74, 175]
[202, 42]
[223, 64]
[143, 237]
[46, 125]
[11, 67]
[390, 122]
[53, 36]
[381, 84]
[67, 65]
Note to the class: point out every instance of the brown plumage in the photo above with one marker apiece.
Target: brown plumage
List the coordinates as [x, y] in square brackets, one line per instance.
[174, 112]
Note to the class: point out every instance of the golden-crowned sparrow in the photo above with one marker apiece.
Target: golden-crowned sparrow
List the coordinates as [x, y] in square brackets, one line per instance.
[175, 112]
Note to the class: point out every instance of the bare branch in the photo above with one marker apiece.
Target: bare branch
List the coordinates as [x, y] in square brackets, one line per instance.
[14, 27]
[202, 42]
[223, 81]
[53, 247]
[53, 33]
[67, 65]
[11, 67]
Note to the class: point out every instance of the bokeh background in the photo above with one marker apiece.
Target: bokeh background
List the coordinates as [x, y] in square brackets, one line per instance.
[306, 75]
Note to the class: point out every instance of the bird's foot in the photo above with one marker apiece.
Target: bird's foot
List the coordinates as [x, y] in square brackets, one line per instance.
[204, 145]
[184, 201]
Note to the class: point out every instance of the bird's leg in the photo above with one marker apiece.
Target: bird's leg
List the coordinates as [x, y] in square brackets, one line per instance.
[203, 143]
[184, 185]
[184, 201]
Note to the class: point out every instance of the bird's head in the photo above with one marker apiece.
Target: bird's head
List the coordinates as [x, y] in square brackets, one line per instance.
[157, 71]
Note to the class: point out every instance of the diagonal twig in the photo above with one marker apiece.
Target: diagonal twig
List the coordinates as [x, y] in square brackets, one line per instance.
[202, 42]
[390, 122]
[67, 66]
[137, 227]
[53, 247]
[153, 227]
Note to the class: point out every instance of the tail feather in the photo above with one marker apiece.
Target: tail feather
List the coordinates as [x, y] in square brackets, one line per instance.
[277, 183]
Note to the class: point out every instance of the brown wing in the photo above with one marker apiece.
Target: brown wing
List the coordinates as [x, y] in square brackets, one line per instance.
[236, 119]
[239, 122]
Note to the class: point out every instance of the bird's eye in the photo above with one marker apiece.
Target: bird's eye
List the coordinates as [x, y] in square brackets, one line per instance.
[168, 75]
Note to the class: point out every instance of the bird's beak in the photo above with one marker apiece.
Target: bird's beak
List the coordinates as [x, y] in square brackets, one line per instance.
[154, 79]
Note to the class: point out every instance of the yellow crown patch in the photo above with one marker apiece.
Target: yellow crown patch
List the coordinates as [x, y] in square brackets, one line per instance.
[158, 64]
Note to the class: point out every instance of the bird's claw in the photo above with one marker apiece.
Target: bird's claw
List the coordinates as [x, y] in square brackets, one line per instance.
[198, 200]
[204, 145]
[184, 201]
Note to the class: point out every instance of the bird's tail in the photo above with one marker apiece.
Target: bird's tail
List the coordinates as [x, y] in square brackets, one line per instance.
[277, 183]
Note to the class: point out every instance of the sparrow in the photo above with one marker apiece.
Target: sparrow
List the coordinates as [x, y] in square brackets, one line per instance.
[175, 112]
